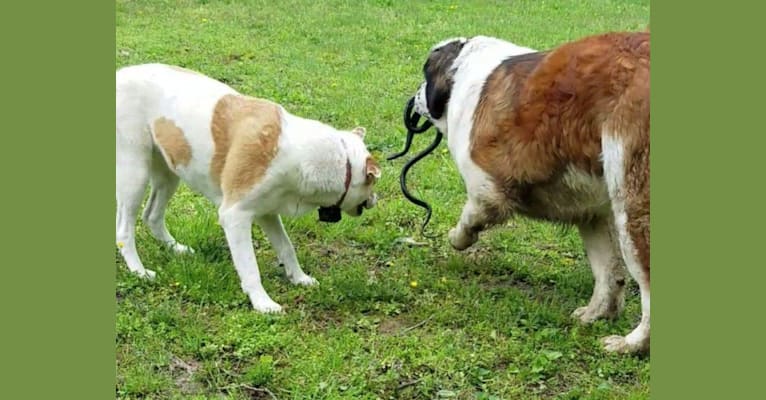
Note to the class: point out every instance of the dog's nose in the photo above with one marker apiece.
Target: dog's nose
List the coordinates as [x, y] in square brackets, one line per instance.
[369, 203]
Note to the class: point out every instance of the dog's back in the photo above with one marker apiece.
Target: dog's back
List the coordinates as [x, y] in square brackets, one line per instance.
[540, 129]
[150, 91]
[169, 110]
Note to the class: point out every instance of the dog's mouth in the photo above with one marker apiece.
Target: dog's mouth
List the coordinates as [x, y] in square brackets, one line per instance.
[411, 119]
[362, 206]
[333, 214]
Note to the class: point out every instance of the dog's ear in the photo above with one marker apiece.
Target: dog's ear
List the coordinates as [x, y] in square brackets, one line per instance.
[359, 131]
[438, 71]
[438, 90]
[372, 169]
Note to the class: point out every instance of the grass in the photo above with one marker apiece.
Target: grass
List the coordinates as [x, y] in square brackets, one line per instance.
[491, 323]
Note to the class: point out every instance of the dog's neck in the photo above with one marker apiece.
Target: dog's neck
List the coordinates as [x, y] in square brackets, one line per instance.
[324, 162]
[347, 181]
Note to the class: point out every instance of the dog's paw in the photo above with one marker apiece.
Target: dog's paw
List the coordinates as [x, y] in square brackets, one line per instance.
[146, 274]
[584, 315]
[459, 240]
[588, 314]
[622, 345]
[264, 304]
[304, 280]
[179, 248]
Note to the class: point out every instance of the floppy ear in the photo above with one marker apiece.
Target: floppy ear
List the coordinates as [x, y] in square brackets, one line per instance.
[438, 73]
[372, 169]
[438, 91]
[359, 131]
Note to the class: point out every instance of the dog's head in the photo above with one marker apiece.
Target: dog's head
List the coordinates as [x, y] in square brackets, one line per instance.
[365, 172]
[452, 60]
[432, 98]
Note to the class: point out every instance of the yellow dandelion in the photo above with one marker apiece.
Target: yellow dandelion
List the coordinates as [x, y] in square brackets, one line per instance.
[414, 284]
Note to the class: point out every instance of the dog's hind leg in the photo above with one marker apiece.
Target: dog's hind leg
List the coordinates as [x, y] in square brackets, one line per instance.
[275, 232]
[626, 169]
[163, 185]
[603, 251]
[133, 164]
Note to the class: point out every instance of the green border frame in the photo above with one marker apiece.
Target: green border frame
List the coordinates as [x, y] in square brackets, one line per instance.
[58, 293]
[58, 287]
[705, 136]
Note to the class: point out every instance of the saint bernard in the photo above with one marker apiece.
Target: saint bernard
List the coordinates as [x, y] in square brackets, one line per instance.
[559, 135]
[254, 160]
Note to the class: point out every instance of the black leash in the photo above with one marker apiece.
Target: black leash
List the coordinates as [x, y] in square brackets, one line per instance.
[411, 120]
[411, 123]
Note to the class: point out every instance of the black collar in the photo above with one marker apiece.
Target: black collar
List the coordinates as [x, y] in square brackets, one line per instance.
[346, 184]
[332, 213]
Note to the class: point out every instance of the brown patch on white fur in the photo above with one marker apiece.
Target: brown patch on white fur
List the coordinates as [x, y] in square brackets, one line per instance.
[172, 143]
[540, 118]
[246, 134]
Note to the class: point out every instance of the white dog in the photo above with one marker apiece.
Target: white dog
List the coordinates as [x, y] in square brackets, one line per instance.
[250, 157]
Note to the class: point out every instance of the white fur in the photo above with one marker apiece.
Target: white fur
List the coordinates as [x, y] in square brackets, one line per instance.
[603, 253]
[307, 172]
[613, 150]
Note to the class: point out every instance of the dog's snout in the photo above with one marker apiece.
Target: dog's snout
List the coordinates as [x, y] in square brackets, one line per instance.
[370, 203]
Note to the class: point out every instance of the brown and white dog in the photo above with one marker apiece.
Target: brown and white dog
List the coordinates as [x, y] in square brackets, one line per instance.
[250, 157]
[560, 135]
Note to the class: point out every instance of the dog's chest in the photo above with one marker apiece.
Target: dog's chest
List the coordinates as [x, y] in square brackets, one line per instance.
[292, 206]
[281, 197]
[570, 197]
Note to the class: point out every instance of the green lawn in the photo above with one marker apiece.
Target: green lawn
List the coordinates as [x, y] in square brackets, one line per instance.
[491, 323]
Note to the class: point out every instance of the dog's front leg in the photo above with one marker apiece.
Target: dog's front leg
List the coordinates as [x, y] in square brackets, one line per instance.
[275, 232]
[473, 220]
[237, 224]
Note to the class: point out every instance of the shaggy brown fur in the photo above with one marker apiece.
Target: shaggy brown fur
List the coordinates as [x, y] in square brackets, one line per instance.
[543, 114]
